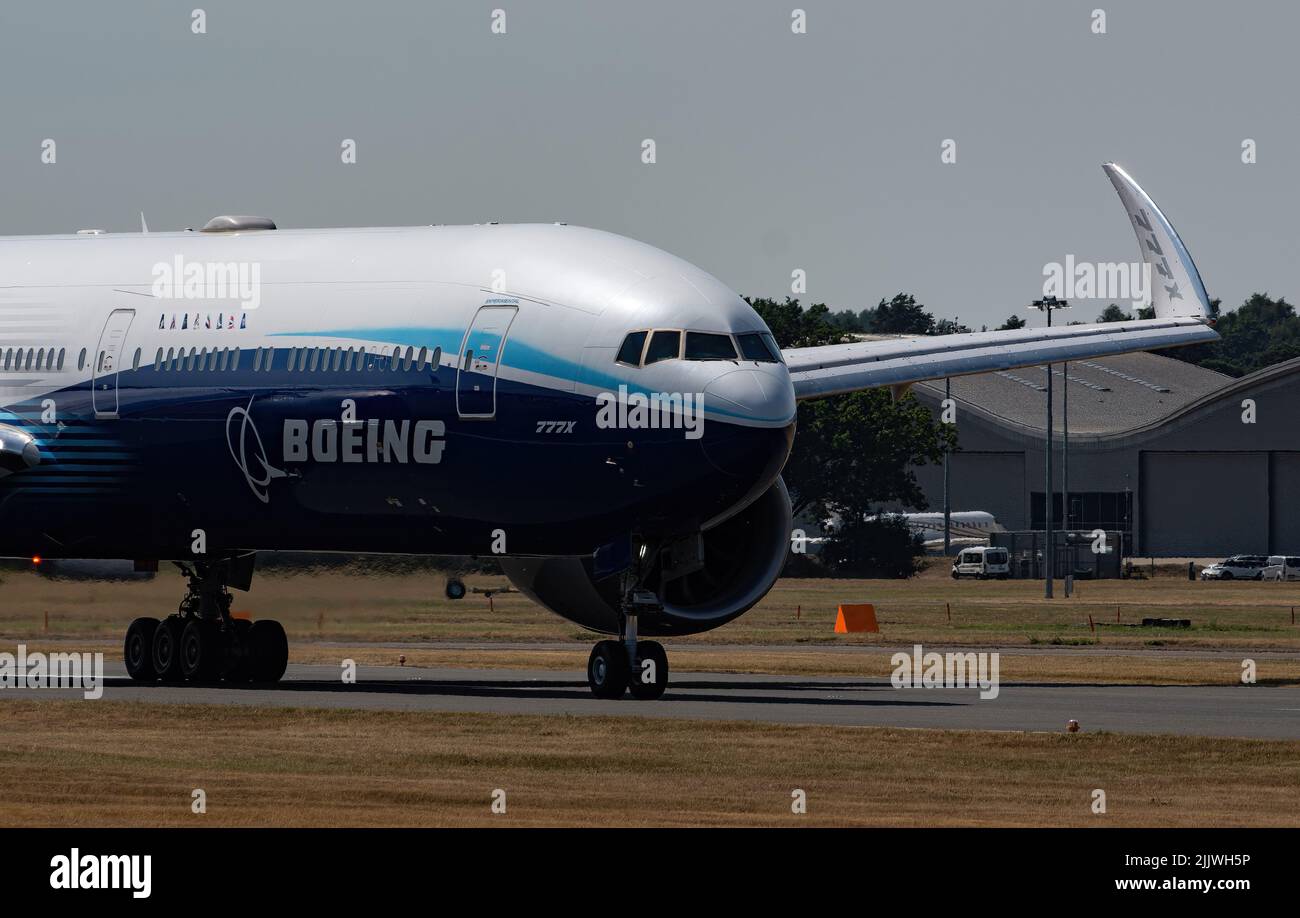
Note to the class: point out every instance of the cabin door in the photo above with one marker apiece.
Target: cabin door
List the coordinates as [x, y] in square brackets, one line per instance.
[480, 359]
[107, 360]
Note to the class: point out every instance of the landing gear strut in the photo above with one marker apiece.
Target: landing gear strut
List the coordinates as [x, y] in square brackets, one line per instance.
[202, 642]
[638, 667]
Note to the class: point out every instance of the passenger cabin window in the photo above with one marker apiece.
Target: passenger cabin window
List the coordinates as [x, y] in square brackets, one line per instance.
[753, 347]
[630, 352]
[664, 345]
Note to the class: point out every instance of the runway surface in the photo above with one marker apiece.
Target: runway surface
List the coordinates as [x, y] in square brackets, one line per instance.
[1269, 712]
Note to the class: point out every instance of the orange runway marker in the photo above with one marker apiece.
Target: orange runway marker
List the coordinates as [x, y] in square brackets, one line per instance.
[856, 617]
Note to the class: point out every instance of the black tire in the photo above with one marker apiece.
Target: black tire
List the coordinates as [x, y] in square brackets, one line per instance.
[239, 653]
[201, 651]
[167, 649]
[607, 670]
[455, 589]
[270, 649]
[649, 652]
[1226, 575]
[137, 649]
[955, 575]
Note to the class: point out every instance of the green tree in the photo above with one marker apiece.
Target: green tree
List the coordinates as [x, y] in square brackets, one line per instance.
[882, 547]
[948, 327]
[794, 326]
[1113, 313]
[856, 451]
[902, 315]
[1012, 323]
[846, 320]
[1259, 333]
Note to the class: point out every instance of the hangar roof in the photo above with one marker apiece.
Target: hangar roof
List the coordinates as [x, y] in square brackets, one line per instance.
[1107, 394]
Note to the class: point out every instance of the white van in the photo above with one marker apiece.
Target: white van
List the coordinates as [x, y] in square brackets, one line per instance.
[984, 562]
[1282, 567]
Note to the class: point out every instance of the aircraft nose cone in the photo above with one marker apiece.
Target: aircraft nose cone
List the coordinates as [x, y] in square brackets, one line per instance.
[752, 394]
[749, 424]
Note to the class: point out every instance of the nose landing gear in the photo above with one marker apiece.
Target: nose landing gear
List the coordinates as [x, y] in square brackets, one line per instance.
[637, 667]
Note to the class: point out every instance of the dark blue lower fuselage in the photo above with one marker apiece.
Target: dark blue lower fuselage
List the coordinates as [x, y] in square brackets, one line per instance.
[406, 473]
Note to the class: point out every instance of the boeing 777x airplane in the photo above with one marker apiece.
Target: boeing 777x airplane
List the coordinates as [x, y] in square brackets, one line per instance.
[607, 419]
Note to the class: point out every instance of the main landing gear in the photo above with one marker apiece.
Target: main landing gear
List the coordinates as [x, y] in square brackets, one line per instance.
[637, 667]
[202, 642]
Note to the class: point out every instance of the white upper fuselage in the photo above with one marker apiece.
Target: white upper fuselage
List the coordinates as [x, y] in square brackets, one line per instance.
[386, 287]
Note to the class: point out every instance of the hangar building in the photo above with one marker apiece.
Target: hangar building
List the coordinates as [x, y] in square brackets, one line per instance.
[1166, 452]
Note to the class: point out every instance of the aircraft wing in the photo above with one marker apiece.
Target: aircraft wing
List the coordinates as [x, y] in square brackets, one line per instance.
[1182, 311]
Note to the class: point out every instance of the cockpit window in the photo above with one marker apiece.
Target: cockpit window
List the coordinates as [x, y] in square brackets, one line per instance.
[773, 346]
[630, 352]
[664, 345]
[753, 347]
[707, 346]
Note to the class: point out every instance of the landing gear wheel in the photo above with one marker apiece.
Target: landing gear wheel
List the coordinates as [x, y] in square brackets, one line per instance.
[201, 651]
[137, 650]
[240, 653]
[270, 650]
[167, 649]
[650, 676]
[607, 670]
[455, 589]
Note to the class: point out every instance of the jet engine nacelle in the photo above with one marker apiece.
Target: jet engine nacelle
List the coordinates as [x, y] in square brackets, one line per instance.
[740, 559]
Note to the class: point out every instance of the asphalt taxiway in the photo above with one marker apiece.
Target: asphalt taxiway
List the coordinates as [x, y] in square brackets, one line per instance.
[1260, 711]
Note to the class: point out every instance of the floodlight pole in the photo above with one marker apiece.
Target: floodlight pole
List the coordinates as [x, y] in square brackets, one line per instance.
[1047, 304]
[1049, 547]
[947, 507]
[1065, 469]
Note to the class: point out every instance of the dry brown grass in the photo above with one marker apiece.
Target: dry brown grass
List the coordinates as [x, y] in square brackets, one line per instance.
[114, 764]
[357, 606]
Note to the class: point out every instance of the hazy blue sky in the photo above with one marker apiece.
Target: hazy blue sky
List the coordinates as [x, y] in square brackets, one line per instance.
[775, 151]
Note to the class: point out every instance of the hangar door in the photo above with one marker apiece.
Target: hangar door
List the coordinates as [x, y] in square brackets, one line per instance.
[1286, 504]
[1203, 504]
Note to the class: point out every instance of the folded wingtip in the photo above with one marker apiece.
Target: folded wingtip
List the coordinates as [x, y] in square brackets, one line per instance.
[1177, 290]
